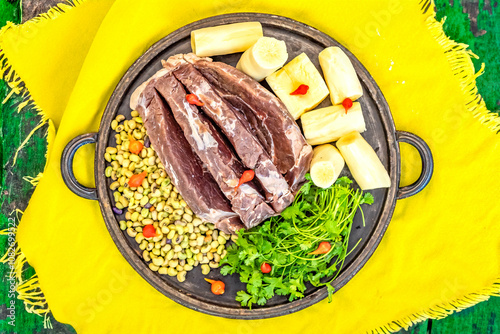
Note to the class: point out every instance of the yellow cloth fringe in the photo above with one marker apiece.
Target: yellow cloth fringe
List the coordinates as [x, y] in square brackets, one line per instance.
[348, 312]
[29, 290]
[459, 58]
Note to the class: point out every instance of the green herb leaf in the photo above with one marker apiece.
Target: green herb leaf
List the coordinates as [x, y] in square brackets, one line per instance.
[244, 298]
[367, 198]
[292, 212]
[285, 242]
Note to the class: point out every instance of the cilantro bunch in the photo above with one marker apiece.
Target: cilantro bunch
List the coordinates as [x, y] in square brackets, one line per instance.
[285, 242]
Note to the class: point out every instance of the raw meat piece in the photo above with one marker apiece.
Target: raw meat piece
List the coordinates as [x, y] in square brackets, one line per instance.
[271, 122]
[214, 152]
[196, 185]
[246, 145]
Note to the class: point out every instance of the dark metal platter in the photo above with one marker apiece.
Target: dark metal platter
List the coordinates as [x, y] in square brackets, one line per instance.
[381, 134]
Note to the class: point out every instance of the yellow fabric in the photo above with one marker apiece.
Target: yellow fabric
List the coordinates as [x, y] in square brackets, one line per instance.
[42, 50]
[441, 250]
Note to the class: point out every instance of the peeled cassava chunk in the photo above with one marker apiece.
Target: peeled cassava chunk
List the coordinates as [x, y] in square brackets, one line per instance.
[263, 58]
[340, 75]
[328, 124]
[225, 39]
[326, 165]
[300, 71]
[363, 162]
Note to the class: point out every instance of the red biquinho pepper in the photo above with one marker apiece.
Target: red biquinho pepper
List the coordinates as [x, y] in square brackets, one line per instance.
[136, 180]
[265, 268]
[135, 146]
[149, 231]
[247, 176]
[323, 248]
[301, 90]
[347, 104]
[217, 286]
[193, 99]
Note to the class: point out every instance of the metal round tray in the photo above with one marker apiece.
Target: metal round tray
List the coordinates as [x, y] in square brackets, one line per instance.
[381, 134]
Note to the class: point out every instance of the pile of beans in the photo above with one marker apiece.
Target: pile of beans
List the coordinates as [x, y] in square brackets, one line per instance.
[182, 240]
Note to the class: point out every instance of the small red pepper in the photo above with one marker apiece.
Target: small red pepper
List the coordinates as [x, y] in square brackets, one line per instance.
[247, 176]
[302, 90]
[149, 231]
[193, 99]
[323, 248]
[347, 104]
[265, 268]
[136, 180]
[135, 146]
[217, 286]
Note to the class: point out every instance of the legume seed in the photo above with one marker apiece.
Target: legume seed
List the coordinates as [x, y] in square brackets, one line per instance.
[171, 234]
[123, 225]
[205, 269]
[216, 257]
[221, 240]
[170, 254]
[199, 256]
[158, 261]
[108, 171]
[145, 256]
[139, 238]
[181, 276]
[119, 118]
[196, 222]
[131, 232]
[171, 271]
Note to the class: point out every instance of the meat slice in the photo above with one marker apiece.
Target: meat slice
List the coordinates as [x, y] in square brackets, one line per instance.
[196, 185]
[272, 123]
[246, 145]
[214, 152]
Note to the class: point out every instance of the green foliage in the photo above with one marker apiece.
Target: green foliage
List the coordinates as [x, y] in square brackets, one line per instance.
[10, 11]
[285, 242]
[486, 43]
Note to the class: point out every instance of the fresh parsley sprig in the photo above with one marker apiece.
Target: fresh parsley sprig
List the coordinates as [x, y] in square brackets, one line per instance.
[285, 242]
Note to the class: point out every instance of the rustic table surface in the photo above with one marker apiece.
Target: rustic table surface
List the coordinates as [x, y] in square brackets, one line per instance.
[474, 22]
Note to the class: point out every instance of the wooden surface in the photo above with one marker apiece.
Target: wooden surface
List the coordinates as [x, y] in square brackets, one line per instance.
[472, 22]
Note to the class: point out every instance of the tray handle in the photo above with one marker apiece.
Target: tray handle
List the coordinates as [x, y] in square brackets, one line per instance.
[67, 166]
[427, 164]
